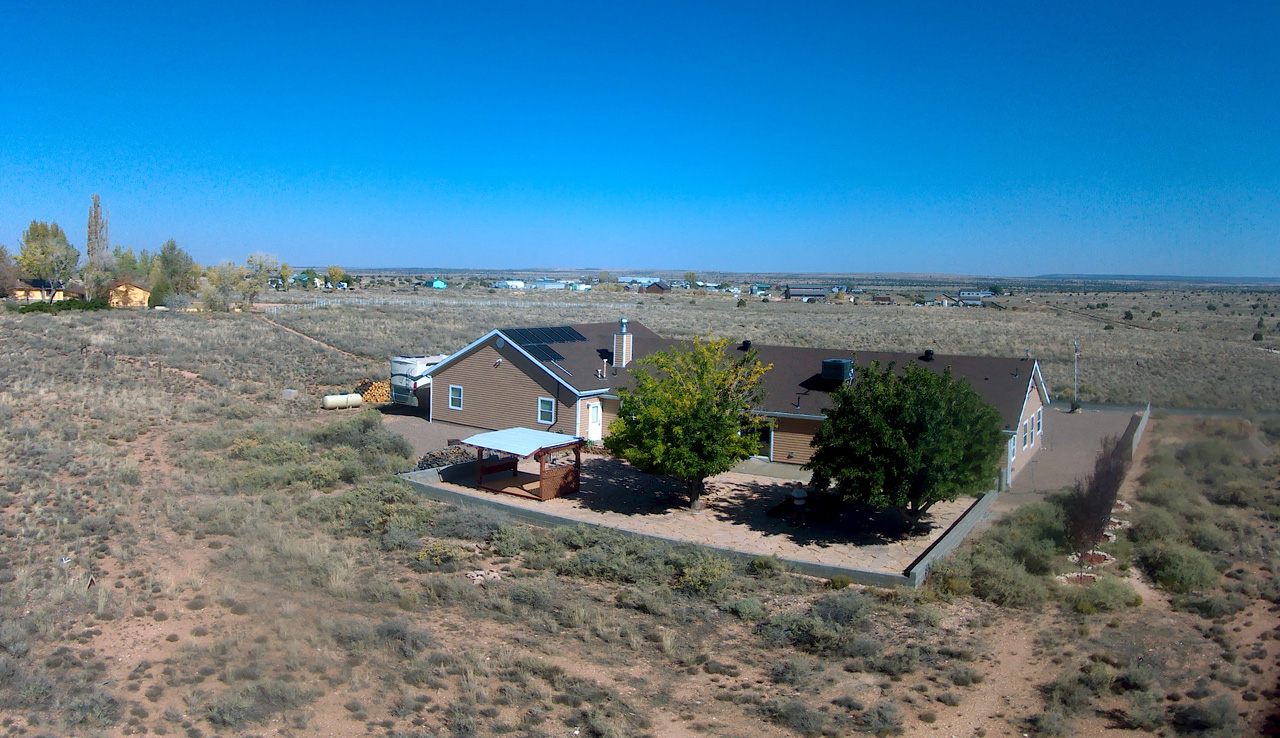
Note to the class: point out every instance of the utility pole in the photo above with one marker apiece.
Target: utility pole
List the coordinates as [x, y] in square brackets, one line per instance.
[1075, 392]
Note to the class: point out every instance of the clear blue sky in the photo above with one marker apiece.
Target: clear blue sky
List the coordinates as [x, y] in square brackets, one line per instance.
[1018, 138]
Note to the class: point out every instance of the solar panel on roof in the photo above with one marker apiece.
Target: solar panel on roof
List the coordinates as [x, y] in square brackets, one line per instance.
[552, 334]
[543, 352]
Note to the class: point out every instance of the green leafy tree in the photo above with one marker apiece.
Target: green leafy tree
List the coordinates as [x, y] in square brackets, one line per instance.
[689, 414]
[8, 273]
[160, 293]
[48, 255]
[311, 276]
[907, 440]
[691, 278]
[175, 266]
[285, 275]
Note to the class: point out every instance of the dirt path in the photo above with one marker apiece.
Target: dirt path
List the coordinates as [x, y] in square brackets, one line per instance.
[312, 339]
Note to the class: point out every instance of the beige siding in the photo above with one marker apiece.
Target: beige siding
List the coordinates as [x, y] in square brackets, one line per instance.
[497, 395]
[791, 437]
[128, 296]
[608, 413]
[1032, 405]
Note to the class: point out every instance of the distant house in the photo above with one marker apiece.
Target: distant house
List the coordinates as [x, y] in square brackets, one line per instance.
[37, 290]
[881, 300]
[547, 283]
[580, 286]
[439, 284]
[566, 379]
[643, 281]
[509, 284]
[942, 300]
[806, 291]
[125, 292]
[657, 288]
[974, 298]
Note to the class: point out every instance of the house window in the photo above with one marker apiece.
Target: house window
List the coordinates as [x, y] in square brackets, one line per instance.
[455, 397]
[1013, 447]
[1026, 434]
[546, 410]
[1040, 422]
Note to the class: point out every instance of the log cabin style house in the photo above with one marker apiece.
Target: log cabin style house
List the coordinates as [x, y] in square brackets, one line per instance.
[566, 379]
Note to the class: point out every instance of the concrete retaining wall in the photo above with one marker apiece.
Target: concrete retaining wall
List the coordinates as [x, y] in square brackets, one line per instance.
[427, 482]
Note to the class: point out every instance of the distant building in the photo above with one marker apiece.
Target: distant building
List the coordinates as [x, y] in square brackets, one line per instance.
[657, 288]
[439, 284]
[881, 300]
[125, 292]
[509, 284]
[547, 283]
[806, 291]
[942, 300]
[974, 298]
[644, 281]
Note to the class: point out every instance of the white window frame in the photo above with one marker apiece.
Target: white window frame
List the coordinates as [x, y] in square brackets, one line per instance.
[1013, 449]
[453, 387]
[1026, 434]
[1040, 422]
[552, 401]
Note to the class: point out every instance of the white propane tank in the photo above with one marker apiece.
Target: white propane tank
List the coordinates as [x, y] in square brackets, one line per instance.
[334, 402]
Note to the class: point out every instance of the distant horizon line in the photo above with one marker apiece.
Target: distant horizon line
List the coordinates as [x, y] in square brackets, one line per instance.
[619, 272]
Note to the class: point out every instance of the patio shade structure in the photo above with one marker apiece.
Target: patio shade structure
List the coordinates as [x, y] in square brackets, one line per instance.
[522, 443]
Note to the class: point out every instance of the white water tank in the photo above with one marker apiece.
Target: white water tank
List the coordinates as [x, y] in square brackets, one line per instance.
[336, 402]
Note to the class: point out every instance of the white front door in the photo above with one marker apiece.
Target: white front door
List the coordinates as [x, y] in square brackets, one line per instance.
[594, 425]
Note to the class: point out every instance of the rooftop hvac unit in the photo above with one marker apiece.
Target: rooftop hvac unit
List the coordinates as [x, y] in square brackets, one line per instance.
[837, 370]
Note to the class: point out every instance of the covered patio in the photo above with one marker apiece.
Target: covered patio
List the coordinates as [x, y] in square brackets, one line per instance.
[513, 444]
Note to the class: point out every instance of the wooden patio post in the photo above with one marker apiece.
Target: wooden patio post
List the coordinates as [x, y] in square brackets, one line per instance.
[577, 468]
[479, 465]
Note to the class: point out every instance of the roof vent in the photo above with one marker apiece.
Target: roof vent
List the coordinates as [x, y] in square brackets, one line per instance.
[928, 354]
[837, 370]
[622, 325]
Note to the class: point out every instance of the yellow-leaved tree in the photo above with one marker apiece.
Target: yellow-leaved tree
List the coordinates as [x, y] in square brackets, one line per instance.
[689, 414]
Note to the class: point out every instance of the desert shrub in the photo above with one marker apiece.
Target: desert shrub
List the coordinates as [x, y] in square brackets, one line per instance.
[805, 632]
[94, 709]
[511, 540]
[839, 581]
[379, 449]
[796, 716]
[881, 719]
[1137, 677]
[352, 633]
[844, 608]
[256, 703]
[1209, 538]
[656, 601]
[705, 574]
[1235, 493]
[1216, 717]
[1144, 713]
[1177, 567]
[747, 608]
[1104, 595]
[440, 553]
[965, 675]
[1000, 579]
[1052, 721]
[1155, 525]
[402, 639]
[13, 639]
[371, 510]
[1210, 605]
[896, 663]
[791, 670]
[468, 523]
[766, 566]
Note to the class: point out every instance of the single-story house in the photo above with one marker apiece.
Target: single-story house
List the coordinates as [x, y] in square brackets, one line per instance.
[656, 288]
[881, 300]
[566, 379]
[439, 284]
[806, 291]
[942, 300]
[37, 290]
[124, 292]
[509, 284]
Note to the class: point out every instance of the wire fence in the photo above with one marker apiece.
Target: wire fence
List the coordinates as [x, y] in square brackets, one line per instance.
[420, 302]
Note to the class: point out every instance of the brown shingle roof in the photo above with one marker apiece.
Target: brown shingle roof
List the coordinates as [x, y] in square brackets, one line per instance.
[794, 386]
